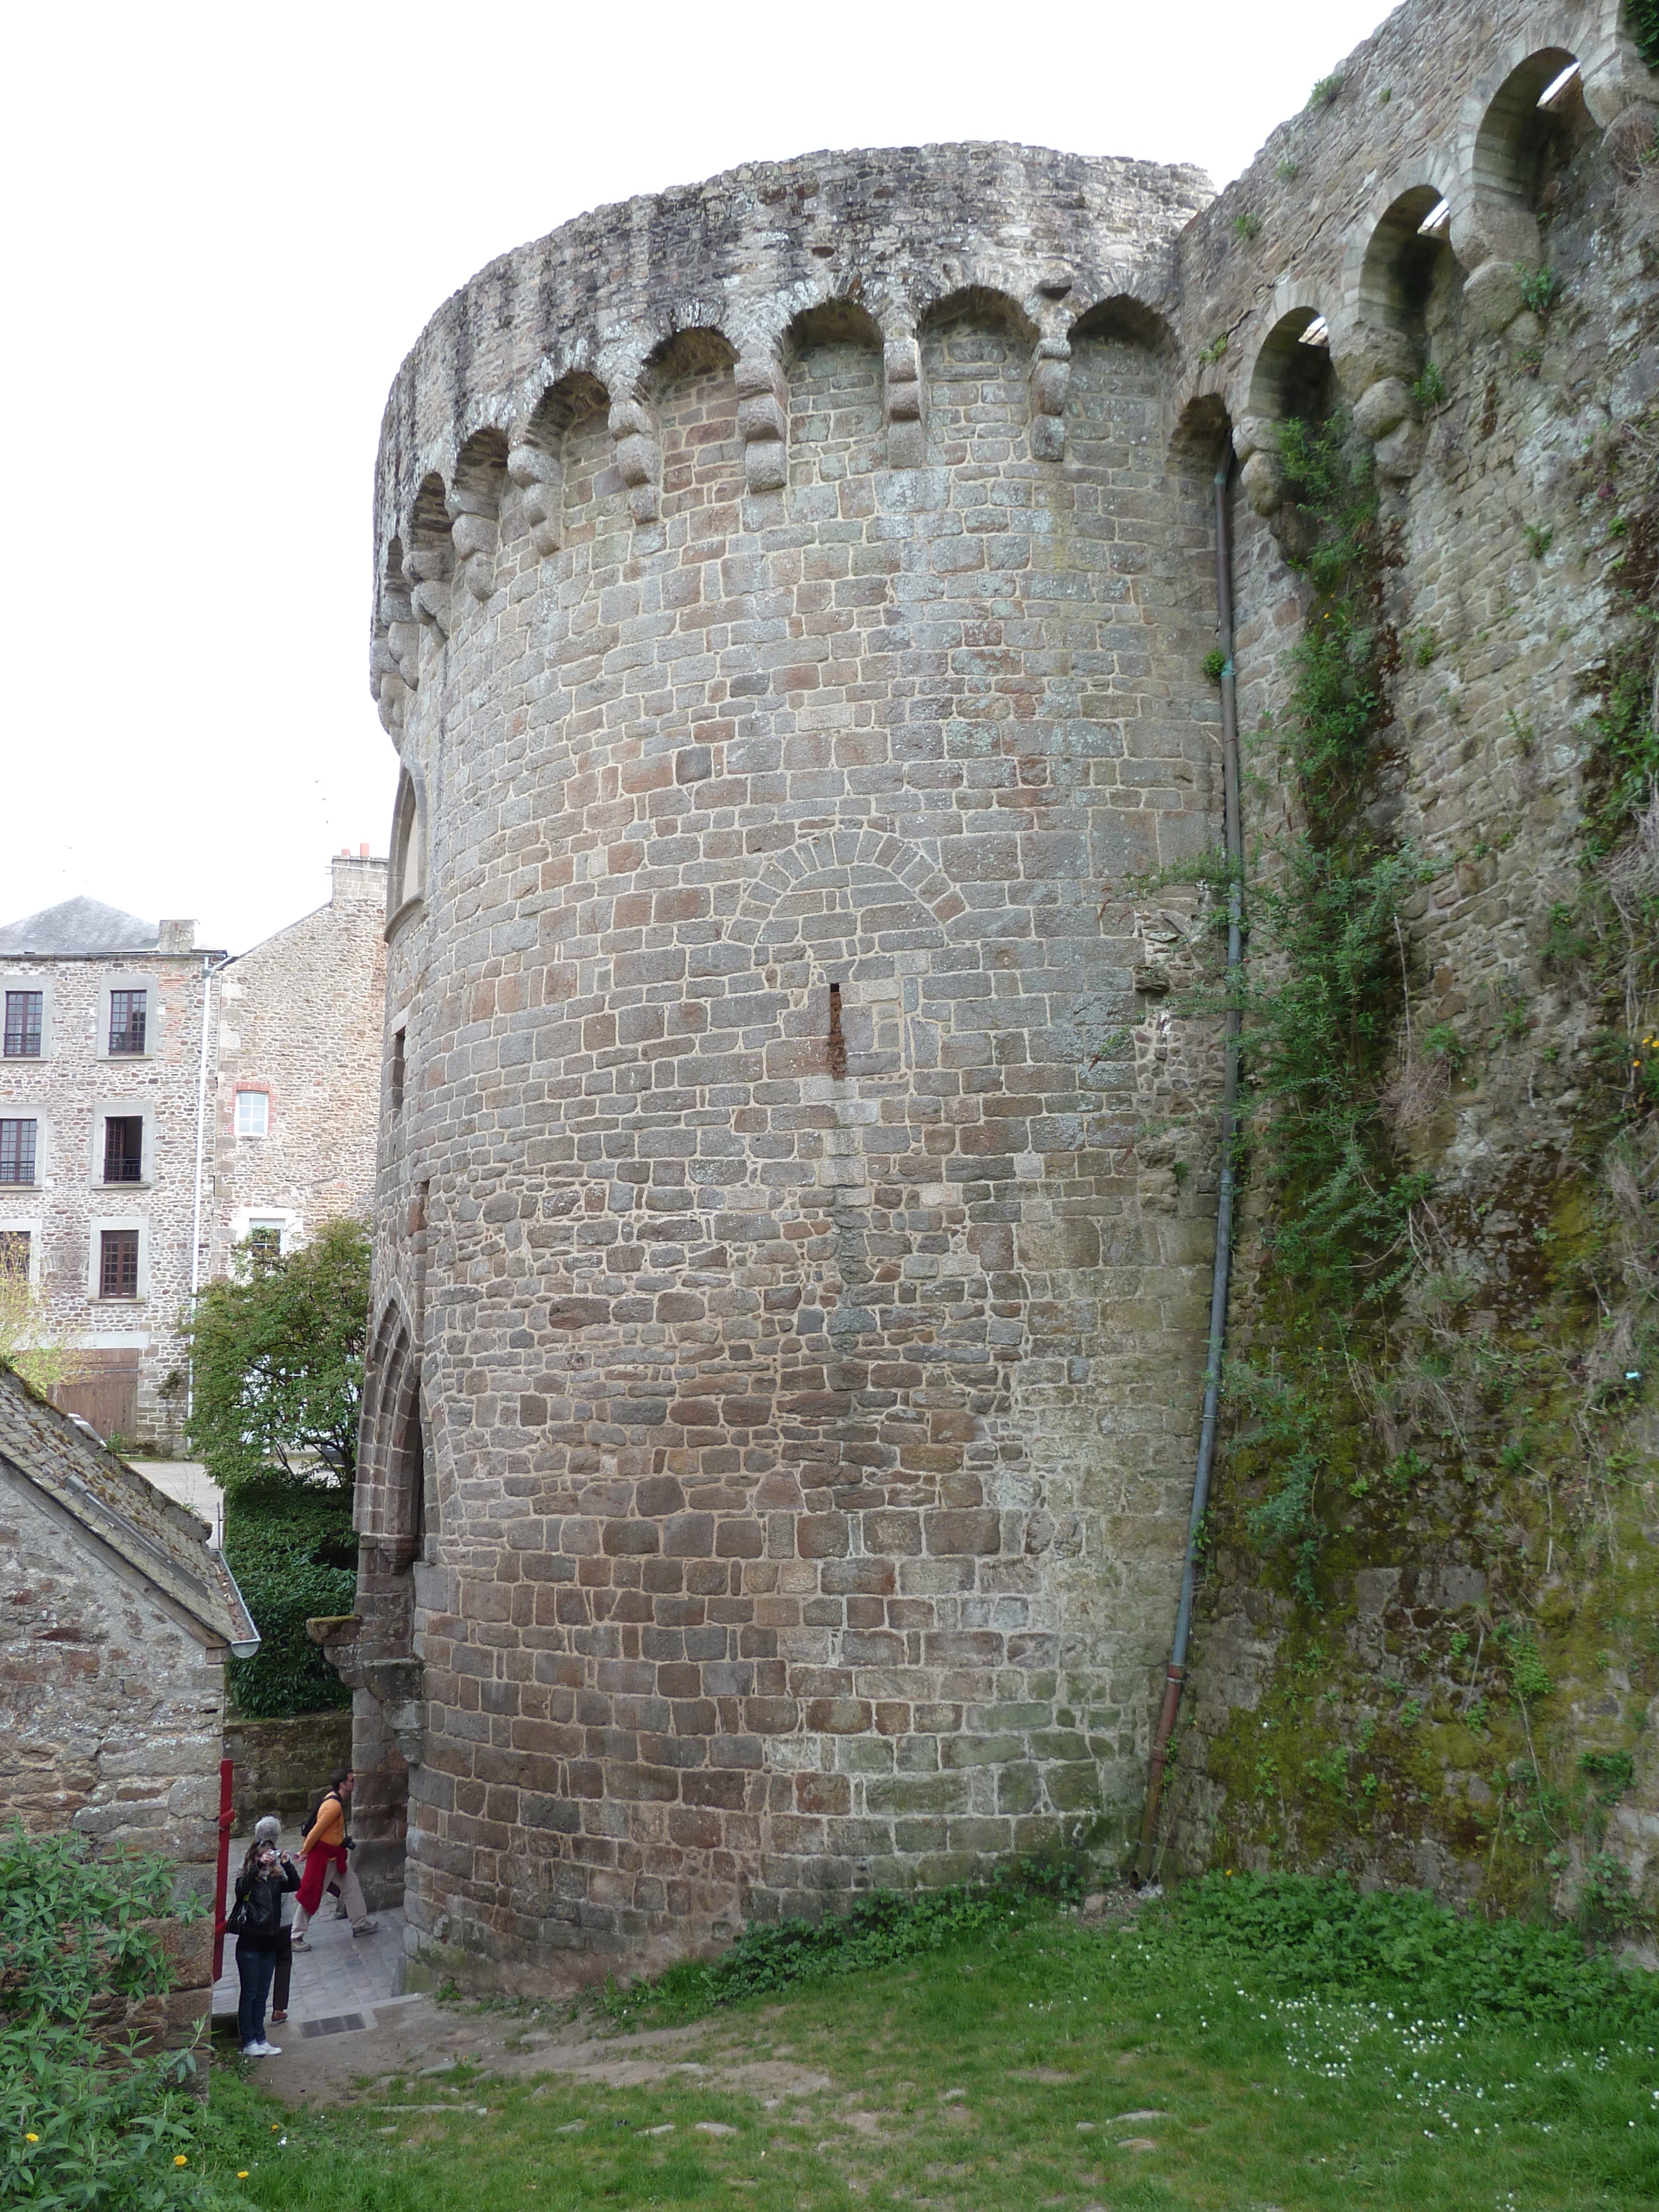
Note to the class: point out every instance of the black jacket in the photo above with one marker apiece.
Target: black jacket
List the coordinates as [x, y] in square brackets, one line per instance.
[262, 1894]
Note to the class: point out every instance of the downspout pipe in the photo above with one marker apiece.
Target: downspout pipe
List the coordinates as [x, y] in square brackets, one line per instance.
[1176, 1673]
[209, 969]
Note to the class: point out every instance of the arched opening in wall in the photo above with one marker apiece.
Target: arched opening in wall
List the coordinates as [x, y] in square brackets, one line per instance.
[1536, 121]
[832, 356]
[406, 1467]
[570, 425]
[976, 347]
[1202, 431]
[1409, 269]
[480, 474]
[475, 506]
[693, 397]
[1293, 379]
[406, 876]
[430, 562]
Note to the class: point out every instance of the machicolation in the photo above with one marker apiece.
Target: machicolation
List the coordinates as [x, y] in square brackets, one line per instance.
[797, 1189]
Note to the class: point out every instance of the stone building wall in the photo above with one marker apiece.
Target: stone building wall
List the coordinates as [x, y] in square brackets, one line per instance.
[300, 1017]
[112, 1721]
[69, 1091]
[783, 1397]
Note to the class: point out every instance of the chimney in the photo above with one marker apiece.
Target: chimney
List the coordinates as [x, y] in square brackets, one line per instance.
[358, 877]
[175, 937]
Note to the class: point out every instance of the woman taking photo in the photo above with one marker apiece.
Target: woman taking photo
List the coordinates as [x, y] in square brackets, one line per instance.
[267, 1876]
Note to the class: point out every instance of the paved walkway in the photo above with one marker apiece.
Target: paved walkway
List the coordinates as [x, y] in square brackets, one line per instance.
[340, 1984]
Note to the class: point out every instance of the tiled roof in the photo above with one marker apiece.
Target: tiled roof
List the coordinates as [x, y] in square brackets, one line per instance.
[162, 1540]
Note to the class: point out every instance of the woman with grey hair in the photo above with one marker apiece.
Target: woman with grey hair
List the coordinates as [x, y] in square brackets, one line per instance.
[269, 1830]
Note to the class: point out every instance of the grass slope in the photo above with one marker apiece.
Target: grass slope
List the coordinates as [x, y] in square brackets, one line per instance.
[1259, 2051]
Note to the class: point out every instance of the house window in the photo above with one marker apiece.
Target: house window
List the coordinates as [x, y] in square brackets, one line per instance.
[117, 1268]
[14, 1255]
[17, 1151]
[253, 1114]
[124, 1148]
[264, 1242]
[23, 1024]
[398, 1065]
[126, 1021]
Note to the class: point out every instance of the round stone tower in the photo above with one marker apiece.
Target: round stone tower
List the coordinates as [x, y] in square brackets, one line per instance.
[791, 599]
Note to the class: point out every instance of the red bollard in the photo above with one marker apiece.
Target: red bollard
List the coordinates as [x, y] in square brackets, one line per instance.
[227, 1818]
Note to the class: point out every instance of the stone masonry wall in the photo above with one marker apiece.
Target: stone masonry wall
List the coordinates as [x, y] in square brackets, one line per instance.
[110, 1723]
[301, 1021]
[794, 1204]
[67, 1092]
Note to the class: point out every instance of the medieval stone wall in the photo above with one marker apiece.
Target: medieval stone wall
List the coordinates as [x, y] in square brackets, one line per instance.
[794, 1207]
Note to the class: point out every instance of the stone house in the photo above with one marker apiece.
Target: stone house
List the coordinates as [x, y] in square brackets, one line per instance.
[160, 1105]
[298, 1074]
[104, 1091]
[118, 1616]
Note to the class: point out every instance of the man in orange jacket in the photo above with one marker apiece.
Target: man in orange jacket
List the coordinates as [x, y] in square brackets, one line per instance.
[327, 1851]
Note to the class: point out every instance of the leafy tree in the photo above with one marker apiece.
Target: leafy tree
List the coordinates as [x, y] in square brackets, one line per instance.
[27, 1343]
[277, 1353]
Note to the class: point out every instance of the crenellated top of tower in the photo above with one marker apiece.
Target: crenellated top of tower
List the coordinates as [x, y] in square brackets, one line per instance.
[1433, 130]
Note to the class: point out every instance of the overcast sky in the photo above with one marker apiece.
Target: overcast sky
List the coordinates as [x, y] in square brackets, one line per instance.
[225, 227]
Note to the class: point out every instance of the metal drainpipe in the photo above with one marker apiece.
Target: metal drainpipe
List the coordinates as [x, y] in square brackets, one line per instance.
[209, 971]
[1176, 1675]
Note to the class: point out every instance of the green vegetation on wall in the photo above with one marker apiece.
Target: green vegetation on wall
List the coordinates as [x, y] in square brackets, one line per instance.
[1426, 1464]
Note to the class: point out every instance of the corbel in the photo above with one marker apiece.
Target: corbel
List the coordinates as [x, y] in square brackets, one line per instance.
[1051, 372]
[901, 365]
[475, 533]
[639, 457]
[541, 483]
[763, 422]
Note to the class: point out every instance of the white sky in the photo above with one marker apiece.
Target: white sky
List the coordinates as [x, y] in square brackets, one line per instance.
[226, 225]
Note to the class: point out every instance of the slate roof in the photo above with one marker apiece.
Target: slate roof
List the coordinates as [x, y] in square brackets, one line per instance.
[79, 924]
[162, 1540]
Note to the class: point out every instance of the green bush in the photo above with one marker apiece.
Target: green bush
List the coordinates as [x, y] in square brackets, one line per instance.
[294, 1555]
[1319, 1933]
[85, 2126]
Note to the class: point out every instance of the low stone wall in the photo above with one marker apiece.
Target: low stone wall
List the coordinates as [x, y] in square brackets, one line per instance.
[283, 1767]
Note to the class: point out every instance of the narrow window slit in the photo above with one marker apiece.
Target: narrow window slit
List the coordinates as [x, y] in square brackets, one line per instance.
[837, 1051]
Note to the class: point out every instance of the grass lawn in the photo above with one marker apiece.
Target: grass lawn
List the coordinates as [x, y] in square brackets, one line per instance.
[1046, 2063]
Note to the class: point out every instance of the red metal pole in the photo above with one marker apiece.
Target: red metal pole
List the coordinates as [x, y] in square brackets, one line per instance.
[227, 1818]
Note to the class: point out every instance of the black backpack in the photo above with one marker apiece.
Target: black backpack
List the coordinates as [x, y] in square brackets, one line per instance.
[255, 1909]
[316, 1811]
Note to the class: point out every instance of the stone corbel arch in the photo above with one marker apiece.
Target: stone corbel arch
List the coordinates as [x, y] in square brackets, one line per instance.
[622, 370]
[1266, 382]
[429, 553]
[1493, 225]
[987, 296]
[394, 662]
[535, 457]
[474, 506]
